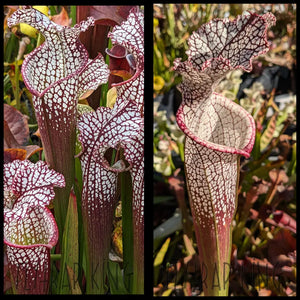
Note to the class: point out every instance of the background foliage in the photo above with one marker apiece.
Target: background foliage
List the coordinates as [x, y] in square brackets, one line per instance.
[263, 258]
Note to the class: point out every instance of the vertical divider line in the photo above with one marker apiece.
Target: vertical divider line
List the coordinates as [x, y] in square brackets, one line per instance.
[148, 151]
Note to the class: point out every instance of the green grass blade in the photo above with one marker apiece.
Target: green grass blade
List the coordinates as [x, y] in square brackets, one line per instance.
[73, 14]
[115, 278]
[68, 276]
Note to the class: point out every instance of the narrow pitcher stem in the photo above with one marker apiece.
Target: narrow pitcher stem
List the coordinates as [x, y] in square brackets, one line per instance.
[214, 268]
[97, 254]
[138, 263]
[212, 217]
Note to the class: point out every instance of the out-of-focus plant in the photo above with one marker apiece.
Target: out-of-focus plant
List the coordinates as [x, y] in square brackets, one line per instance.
[168, 140]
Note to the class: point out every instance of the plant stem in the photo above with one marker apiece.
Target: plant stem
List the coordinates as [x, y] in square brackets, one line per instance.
[127, 229]
[73, 14]
[40, 40]
[17, 89]
[246, 241]
[55, 257]
[215, 265]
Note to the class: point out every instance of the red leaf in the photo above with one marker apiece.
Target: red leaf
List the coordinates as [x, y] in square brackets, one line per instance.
[280, 219]
[117, 61]
[281, 249]
[62, 18]
[125, 75]
[278, 176]
[260, 187]
[257, 266]
[284, 220]
[117, 51]
[105, 15]
[264, 292]
[16, 130]
[12, 154]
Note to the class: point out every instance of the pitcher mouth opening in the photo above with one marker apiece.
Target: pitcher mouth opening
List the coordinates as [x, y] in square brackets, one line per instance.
[242, 146]
[48, 239]
[111, 160]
